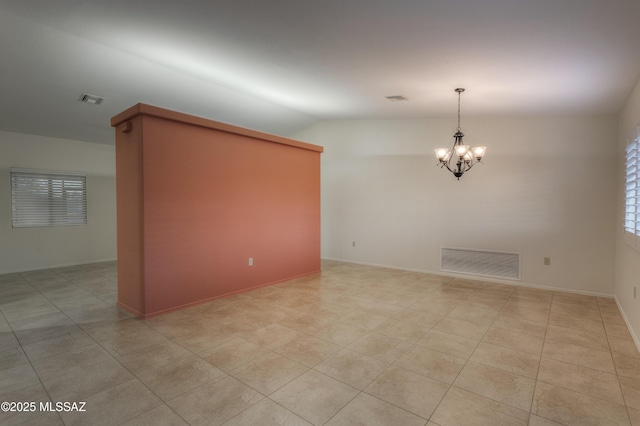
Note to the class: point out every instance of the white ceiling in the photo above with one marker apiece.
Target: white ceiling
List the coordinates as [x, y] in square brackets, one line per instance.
[281, 65]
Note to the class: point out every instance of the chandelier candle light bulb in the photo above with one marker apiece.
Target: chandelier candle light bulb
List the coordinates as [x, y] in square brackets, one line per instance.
[467, 156]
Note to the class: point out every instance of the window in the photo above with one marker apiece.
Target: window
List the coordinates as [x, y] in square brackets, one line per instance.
[632, 191]
[41, 198]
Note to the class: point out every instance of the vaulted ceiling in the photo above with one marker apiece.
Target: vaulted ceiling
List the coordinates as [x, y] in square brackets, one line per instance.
[281, 65]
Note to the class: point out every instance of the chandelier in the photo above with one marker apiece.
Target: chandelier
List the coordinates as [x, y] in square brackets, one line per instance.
[460, 158]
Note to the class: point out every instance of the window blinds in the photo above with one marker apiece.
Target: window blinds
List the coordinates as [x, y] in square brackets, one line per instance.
[47, 199]
[632, 188]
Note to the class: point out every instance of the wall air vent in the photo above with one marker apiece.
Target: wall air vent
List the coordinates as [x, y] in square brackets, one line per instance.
[480, 262]
[396, 98]
[91, 99]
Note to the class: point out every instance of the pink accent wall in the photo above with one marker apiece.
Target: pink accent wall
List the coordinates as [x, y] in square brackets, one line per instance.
[197, 199]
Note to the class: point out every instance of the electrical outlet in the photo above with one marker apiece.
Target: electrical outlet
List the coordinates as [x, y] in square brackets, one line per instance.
[251, 261]
[547, 261]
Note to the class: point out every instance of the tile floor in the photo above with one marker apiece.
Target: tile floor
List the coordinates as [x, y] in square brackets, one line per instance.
[352, 345]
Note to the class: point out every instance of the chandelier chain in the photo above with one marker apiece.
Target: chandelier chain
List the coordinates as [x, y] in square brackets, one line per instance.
[459, 110]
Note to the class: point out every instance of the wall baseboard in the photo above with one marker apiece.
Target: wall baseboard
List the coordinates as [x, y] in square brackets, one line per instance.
[626, 321]
[474, 277]
[65, 265]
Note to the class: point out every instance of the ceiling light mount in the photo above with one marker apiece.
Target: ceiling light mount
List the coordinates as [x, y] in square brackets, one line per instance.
[460, 158]
[91, 99]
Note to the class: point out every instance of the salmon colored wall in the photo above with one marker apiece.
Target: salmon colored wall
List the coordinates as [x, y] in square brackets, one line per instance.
[129, 210]
[212, 197]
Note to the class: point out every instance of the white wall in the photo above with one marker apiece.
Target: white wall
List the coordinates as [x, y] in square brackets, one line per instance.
[24, 249]
[627, 266]
[547, 189]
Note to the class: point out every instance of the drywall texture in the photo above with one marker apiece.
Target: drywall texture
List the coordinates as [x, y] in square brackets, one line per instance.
[23, 249]
[197, 201]
[627, 269]
[547, 189]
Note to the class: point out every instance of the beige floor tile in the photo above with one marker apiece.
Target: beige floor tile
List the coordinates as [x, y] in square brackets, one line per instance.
[367, 410]
[75, 359]
[269, 372]
[161, 415]
[533, 315]
[524, 326]
[617, 330]
[624, 347]
[408, 390]
[435, 306]
[232, 354]
[631, 391]
[436, 365]
[365, 320]
[308, 350]
[267, 413]
[12, 358]
[350, 367]
[340, 334]
[532, 293]
[458, 346]
[307, 323]
[272, 336]
[577, 323]
[405, 331]
[172, 327]
[634, 416]
[587, 339]
[541, 421]
[179, 377]
[522, 363]
[36, 418]
[380, 307]
[612, 317]
[514, 340]
[108, 330]
[314, 396]
[8, 341]
[32, 306]
[132, 342]
[419, 318]
[380, 347]
[627, 366]
[114, 406]
[33, 392]
[57, 345]
[579, 355]
[460, 407]
[202, 341]
[573, 408]
[515, 304]
[82, 383]
[478, 315]
[576, 299]
[588, 312]
[592, 382]
[497, 384]
[151, 358]
[198, 407]
[43, 327]
[468, 329]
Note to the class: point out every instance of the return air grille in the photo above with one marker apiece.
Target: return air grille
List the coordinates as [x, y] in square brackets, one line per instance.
[480, 262]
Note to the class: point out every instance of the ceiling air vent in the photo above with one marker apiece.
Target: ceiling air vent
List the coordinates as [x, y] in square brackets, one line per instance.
[91, 99]
[397, 98]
